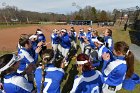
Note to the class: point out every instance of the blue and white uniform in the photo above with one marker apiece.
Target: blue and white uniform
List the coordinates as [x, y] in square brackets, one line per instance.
[52, 81]
[88, 48]
[109, 42]
[65, 45]
[40, 36]
[26, 58]
[91, 42]
[34, 45]
[88, 35]
[65, 41]
[89, 82]
[82, 44]
[114, 75]
[55, 41]
[101, 50]
[73, 37]
[15, 83]
[34, 42]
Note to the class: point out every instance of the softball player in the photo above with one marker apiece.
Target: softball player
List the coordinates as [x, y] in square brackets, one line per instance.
[81, 37]
[26, 54]
[94, 36]
[24, 36]
[89, 33]
[13, 82]
[73, 37]
[41, 38]
[55, 39]
[119, 69]
[90, 43]
[99, 43]
[65, 44]
[52, 75]
[34, 41]
[40, 35]
[108, 39]
[90, 81]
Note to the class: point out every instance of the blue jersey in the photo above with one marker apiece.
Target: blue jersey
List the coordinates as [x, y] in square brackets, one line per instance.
[109, 42]
[55, 38]
[115, 71]
[15, 83]
[101, 50]
[88, 82]
[88, 35]
[65, 41]
[52, 81]
[91, 41]
[26, 58]
[32, 50]
[34, 45]
[80, 38]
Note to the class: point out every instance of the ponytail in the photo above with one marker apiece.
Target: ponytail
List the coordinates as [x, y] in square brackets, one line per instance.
[130, 64]
[129, 57]
[43, 77]
[47, 57]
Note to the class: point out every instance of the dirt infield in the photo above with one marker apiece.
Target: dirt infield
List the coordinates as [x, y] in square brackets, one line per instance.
[9, 37]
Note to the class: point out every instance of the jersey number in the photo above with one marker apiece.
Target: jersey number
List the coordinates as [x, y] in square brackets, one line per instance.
[95, 90]
[48, 81]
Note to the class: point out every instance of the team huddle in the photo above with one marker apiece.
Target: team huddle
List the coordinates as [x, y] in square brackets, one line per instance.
[103, 65]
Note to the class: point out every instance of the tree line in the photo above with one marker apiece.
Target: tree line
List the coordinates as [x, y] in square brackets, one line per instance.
[13, 14]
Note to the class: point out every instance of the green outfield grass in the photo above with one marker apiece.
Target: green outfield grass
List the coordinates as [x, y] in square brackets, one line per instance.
[14, 26]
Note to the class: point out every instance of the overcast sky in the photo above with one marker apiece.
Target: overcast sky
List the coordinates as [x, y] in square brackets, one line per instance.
[65, 6]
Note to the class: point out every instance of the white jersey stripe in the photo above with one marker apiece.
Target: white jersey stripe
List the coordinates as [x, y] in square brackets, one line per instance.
[20, 82]
[52, 69]
[26, 55]
[82, 78]
[113, 65]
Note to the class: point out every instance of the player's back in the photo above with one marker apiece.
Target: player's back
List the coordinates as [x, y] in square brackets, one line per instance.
[52, 81]
[89, 82]
[15, 83]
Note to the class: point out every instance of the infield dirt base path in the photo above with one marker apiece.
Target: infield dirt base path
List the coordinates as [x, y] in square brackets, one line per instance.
[9, 36]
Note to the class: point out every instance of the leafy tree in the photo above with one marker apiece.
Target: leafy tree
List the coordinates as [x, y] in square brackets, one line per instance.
[78, 17]
[94, 13]
[103, 16]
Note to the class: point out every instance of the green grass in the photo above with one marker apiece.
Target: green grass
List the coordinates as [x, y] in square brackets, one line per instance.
[120, 35]
[5, 52]
[14, 26]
